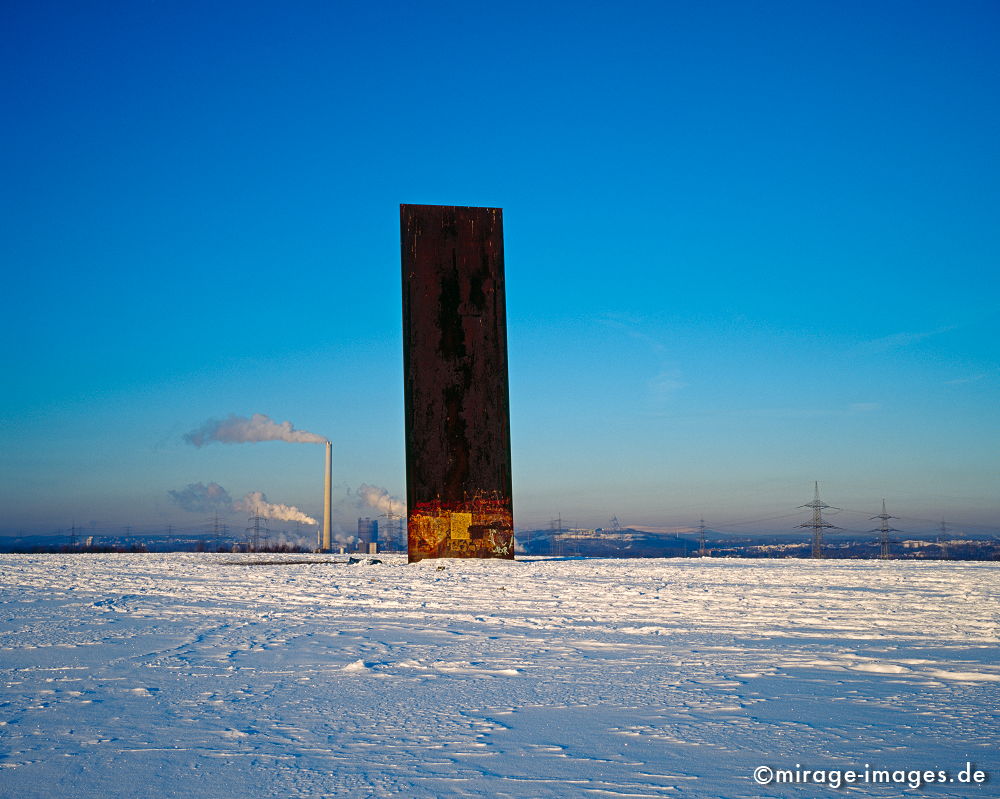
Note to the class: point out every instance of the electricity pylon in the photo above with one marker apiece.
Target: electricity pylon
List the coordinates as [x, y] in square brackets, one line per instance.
[257, 528]
[556, 544]
[883, 530]
[817, 525]
[616, 532]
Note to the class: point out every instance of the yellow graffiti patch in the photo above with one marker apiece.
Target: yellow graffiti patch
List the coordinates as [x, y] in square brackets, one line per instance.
[460, 523]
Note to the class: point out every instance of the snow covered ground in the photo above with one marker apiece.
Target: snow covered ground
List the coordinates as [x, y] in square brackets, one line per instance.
[189, 676]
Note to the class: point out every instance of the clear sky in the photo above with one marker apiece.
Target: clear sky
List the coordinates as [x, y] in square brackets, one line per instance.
[749, 245]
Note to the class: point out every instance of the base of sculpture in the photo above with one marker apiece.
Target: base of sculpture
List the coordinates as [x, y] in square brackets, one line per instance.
[479, 528]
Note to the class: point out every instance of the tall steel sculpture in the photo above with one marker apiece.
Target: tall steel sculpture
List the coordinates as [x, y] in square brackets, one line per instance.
[458, 476]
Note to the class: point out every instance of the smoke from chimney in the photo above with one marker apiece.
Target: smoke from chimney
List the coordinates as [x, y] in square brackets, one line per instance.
[256, 502]
[201, 498]
[380, 499]
[240, 430]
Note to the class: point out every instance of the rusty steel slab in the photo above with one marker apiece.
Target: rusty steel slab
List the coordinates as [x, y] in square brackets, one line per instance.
[458, 474]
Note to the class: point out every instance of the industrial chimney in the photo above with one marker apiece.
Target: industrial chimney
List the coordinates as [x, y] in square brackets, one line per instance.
[327, 498]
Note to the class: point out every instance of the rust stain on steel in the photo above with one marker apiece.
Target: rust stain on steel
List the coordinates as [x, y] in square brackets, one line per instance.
[458, 475]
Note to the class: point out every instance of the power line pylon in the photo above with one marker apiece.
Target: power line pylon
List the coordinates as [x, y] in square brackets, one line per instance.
[942, 540]
[219, 531]
[883, 530]
[556, 543]
[616, 532]
[257, 528]
[817, 525]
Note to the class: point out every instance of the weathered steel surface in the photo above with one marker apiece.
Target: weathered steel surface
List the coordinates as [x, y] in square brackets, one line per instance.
[458, 477]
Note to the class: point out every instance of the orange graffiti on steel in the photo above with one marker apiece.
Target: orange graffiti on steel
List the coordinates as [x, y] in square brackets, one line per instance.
[478, 528]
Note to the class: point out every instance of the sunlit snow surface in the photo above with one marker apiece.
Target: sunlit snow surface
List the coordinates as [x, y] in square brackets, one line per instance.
[187, 676]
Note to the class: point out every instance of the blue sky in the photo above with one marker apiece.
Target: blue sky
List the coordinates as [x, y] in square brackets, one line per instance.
[749, 246]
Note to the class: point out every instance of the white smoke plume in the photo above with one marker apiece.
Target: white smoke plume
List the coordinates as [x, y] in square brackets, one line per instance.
[240, 430]
[201, 498]
[256, 502]
[380, 499]
[340, 537]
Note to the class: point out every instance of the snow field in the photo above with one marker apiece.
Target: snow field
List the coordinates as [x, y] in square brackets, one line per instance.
[208, 676]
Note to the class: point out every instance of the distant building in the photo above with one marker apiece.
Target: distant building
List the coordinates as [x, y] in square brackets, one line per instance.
[917, 544]
[367, 533]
